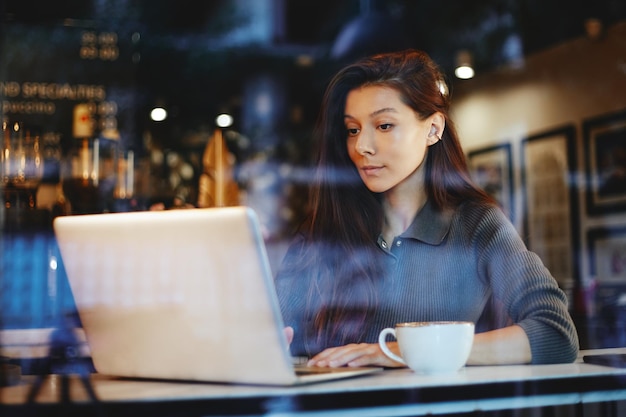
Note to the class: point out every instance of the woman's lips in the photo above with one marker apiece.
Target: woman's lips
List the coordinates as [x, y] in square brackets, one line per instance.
[370, 170]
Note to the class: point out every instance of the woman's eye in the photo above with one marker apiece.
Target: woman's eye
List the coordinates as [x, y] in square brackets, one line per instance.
[353, 131]
[385, 126]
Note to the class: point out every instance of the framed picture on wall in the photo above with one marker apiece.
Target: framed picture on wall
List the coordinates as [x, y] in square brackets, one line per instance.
[550, 209]
[605, 163]
[607, 254]
[607, 268]
[492, 169]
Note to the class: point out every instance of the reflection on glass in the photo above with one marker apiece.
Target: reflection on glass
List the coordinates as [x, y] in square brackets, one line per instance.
[86, 175]
[22, 165]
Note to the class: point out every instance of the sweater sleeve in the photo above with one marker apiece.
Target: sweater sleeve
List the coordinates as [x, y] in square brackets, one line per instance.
[291, 289]
[524, 285]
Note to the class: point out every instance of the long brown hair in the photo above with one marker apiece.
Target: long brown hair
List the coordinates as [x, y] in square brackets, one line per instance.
[341, 257]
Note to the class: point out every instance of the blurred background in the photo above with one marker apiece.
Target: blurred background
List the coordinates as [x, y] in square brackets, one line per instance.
[115, 105]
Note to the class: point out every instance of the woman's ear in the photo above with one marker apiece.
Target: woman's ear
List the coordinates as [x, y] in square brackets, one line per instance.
[437, 125]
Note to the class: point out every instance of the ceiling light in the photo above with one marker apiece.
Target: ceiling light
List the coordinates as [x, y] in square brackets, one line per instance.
[224, 120]
[158, 114]
[464, 69]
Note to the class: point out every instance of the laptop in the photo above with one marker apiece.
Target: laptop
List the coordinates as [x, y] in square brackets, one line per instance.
[180, 295]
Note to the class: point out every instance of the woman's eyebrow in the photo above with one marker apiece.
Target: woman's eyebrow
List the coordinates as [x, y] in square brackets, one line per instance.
[384, 110]
[375, 113]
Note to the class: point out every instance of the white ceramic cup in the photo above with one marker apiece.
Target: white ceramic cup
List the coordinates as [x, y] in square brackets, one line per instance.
[431, 347]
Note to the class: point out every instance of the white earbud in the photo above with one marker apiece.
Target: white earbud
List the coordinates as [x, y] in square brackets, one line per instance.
[433, 130]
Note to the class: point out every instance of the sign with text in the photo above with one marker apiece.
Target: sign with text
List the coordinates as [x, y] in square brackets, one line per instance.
[47, 71]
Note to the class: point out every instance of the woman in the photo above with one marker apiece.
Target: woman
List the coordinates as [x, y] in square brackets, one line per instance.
[398, 232]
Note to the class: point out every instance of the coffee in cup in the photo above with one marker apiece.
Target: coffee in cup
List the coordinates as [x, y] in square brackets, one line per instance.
[431, 347]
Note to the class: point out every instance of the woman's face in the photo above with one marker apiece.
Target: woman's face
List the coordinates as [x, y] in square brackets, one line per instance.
[386, 140]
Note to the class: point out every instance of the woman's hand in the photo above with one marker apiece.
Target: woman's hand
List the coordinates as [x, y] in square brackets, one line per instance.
[355, 355]
[288, 331]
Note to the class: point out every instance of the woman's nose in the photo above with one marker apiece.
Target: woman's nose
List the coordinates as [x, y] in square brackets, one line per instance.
[365, 144]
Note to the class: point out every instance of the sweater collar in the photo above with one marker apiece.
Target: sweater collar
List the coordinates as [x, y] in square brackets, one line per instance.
[430, 225]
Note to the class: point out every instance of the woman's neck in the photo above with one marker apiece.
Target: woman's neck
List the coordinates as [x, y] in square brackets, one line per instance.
[401, 204]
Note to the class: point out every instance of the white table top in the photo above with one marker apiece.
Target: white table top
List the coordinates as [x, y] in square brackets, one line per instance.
[539, 390]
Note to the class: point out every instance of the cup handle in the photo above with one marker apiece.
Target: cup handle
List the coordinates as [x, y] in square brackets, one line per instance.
[382, 342]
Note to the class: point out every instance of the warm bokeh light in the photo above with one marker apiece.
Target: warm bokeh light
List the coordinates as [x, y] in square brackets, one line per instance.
[464, 67]
[224, 120]
[464, 72]
[158, 114]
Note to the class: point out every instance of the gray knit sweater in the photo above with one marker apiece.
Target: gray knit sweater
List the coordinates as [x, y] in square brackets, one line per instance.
[469, 264]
